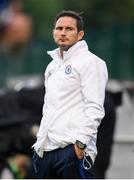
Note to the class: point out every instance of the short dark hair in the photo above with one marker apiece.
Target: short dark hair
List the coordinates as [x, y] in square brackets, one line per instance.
[73, 14]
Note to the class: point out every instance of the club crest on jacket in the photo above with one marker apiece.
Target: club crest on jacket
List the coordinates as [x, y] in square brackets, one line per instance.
[68, 69]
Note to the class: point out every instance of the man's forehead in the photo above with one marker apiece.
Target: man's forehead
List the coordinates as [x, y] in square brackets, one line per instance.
[66, 20]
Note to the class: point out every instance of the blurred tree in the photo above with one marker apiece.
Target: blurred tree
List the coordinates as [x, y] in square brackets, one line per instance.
[97, 13]
[101, 13]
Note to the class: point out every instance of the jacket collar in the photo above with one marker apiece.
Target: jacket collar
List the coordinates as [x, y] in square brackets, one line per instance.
[75, 49]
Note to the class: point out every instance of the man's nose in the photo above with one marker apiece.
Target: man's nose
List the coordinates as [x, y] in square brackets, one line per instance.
[63, 32]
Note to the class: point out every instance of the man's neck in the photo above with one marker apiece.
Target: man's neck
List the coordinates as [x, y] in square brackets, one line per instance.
[64, 48]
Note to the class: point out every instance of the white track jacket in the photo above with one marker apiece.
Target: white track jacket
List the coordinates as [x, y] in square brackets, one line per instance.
[73, 103]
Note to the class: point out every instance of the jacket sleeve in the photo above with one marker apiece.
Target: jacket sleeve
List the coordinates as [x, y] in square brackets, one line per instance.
[94, 78]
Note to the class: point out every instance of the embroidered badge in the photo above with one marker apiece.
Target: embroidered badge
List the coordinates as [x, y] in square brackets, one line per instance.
[68, 69]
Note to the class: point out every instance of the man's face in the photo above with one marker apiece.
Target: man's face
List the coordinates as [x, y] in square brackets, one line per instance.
[66, 33]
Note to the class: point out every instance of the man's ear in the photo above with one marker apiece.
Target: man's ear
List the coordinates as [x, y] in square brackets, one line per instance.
[80, 35]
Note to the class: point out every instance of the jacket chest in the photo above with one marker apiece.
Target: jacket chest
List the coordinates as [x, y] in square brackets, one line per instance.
[64, 77]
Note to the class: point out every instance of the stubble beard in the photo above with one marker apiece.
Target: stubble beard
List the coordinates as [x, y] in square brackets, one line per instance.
[64, 47]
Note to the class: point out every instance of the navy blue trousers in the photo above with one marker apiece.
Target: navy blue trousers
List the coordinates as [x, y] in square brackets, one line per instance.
[61, 163]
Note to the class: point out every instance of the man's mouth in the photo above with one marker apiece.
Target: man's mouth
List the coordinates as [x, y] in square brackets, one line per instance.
[63, 39]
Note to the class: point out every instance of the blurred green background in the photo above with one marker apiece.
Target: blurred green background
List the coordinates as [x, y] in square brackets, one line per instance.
[109, 32]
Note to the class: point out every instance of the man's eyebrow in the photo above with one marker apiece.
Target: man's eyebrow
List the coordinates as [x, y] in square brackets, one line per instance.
[58, 27]
[67, 27]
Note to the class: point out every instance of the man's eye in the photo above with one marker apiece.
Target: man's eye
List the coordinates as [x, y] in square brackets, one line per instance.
[59, 28]
[69, 28]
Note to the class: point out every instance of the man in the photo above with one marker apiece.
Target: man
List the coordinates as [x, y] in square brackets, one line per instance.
[15, 26]
[73, 106]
